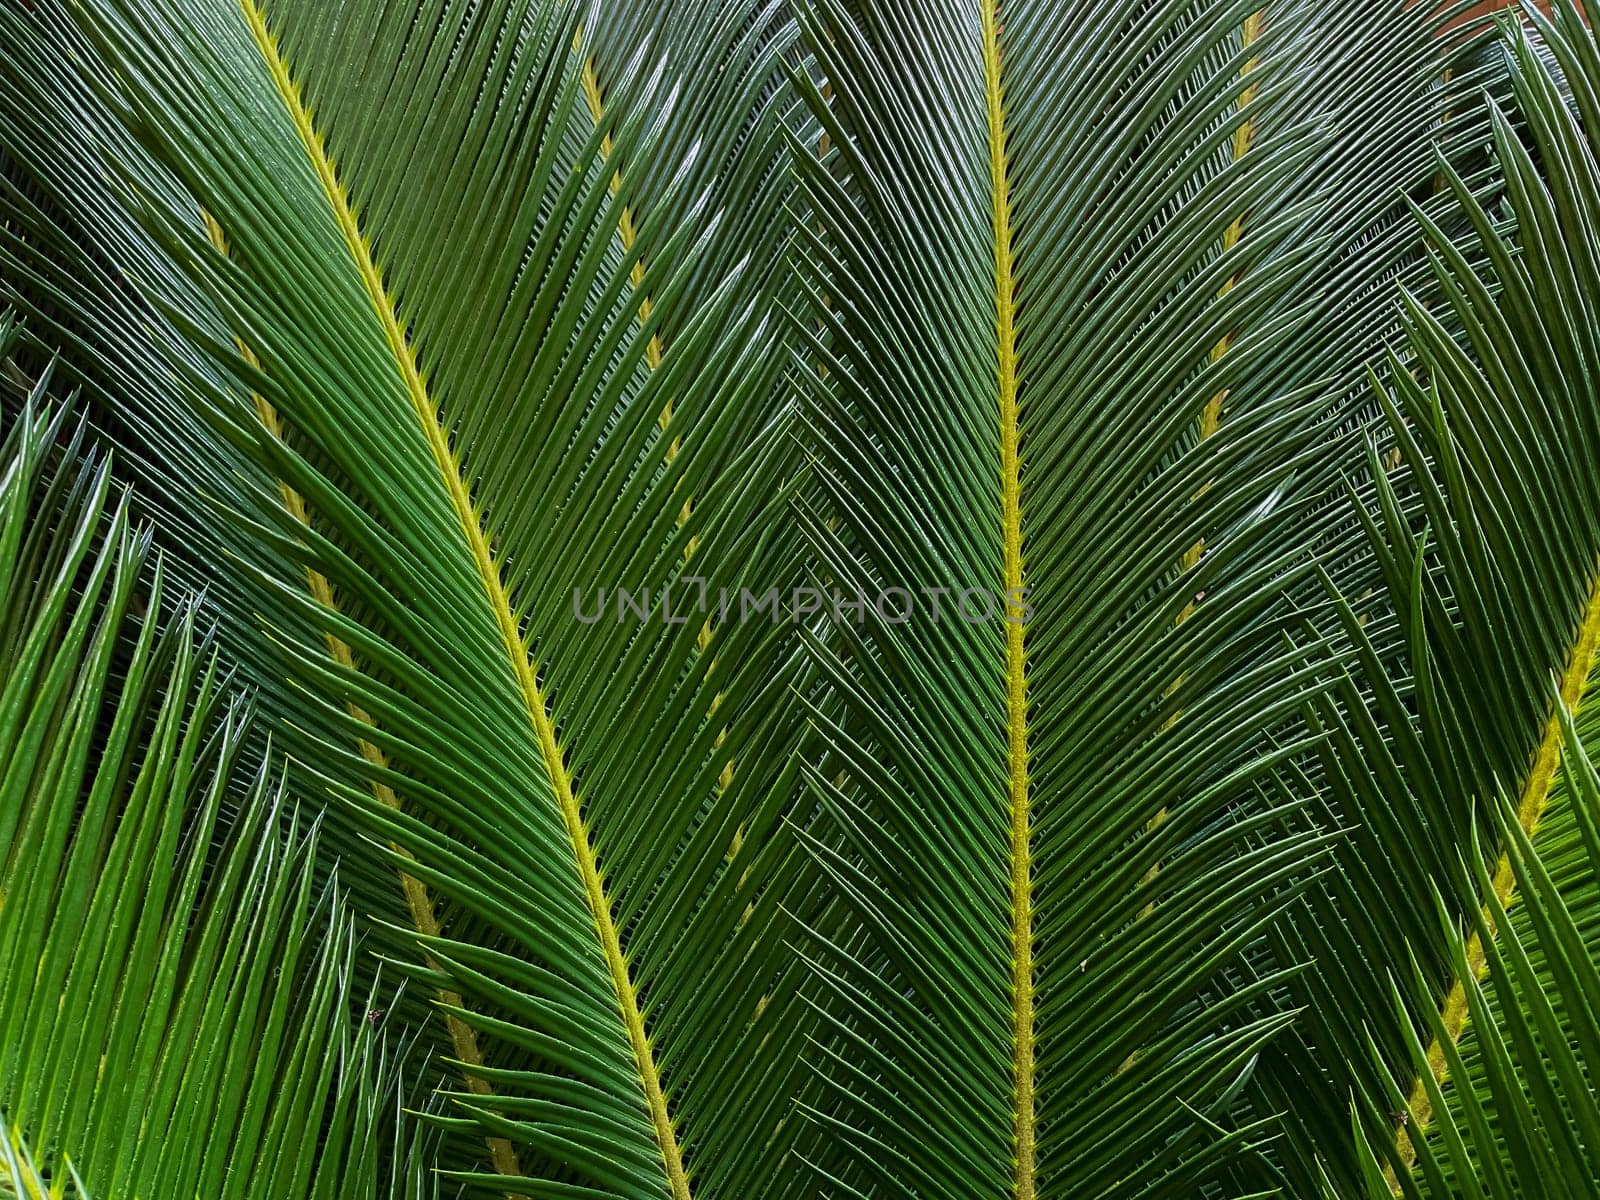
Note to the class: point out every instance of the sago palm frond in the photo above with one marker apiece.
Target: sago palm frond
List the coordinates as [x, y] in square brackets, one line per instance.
[1506, 1104]
[1089, 289]
[175, 1006]
[466, 333]
[880, 598]
[1487, 528]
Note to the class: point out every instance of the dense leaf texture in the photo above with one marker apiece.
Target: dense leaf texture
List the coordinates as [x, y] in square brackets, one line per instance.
[422, 327]
[1499, 595]
[174, 1000]
[1118, 213]
[1517, 1113]
[583, 812]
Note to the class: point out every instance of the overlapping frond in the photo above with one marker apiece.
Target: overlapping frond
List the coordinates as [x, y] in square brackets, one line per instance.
[175, 1007]
[515, 357]
[1487, 529]
[1079, 314]
[1391, 128]
[1507, 1105]
[871, 612]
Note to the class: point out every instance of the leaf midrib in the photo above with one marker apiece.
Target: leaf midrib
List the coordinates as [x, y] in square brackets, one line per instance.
[1022, 1020]
[488, 572]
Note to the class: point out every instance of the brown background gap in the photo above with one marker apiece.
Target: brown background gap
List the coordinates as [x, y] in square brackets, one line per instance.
[1496, 5]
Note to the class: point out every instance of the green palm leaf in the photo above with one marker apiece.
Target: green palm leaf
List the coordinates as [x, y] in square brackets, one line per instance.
[583, 815]
[1082, 319]
[1513, 1111]
[175, 1001]
[496, 376]
[1498, 596]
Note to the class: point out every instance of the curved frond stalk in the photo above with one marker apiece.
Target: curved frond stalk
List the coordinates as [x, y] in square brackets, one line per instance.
[627, 234]
[1243, 139]
[1505, 404]
[493, 315]
[475, 429]
[489, 574]
[1211, 416]
[1530, 811]
[61, 267]
[1386, 125]
[1516, 1114]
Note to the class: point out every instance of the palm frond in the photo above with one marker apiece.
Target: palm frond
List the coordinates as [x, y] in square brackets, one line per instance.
[1514, 1111]
[1080, 311]
[549, 370]
[175, 1007]
[1488, 539]
[892, 599]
